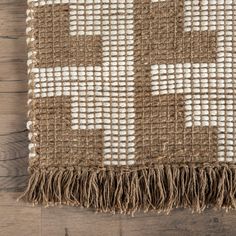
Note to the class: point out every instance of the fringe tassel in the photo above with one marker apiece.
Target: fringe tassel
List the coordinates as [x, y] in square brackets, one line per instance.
[160, 188]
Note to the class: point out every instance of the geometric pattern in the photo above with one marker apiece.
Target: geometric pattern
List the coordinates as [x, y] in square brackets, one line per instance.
[132, 82]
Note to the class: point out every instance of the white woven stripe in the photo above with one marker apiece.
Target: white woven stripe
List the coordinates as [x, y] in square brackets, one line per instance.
[200, 14]
[118, 77]
[48, 2]
[85, 19]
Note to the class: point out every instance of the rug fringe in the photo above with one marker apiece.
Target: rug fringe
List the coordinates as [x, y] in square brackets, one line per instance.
[160, 188]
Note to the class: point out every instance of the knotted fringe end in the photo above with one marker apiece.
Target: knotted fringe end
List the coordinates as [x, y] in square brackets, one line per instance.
[126, 190]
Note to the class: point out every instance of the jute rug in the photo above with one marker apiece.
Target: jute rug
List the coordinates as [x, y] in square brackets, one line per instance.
[132, 104]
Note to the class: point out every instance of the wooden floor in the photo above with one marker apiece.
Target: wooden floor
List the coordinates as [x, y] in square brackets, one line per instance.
[20, 219]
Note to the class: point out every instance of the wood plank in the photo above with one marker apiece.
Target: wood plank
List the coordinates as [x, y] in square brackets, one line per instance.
[57, 221]
[13, 151]
[12, 40]
[14, 167]
[13, 137]
[13, 50]
[13, 59]
[18, 219]
[13, 96]
[14, 70]
[180, 222]
[14, 146]
[22, 221]
[74, 221]
[13, 15]
[12, 123]
[10, 199]
[13, 161]
[13, 183]
[11, 86]
[15, 103]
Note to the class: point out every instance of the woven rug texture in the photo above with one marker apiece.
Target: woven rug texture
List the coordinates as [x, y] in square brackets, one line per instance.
[132, 104]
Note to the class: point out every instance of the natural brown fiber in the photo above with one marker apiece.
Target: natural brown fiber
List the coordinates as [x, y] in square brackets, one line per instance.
[132, 104]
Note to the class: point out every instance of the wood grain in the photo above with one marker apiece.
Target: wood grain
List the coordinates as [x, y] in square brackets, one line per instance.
[21, 219]
[179, 222]
[74, 221]
[56, 221]
[68, 221]
[13, 96]
[18, 218]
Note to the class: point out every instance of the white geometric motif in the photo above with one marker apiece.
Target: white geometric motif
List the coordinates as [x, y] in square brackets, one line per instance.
[209, 88]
